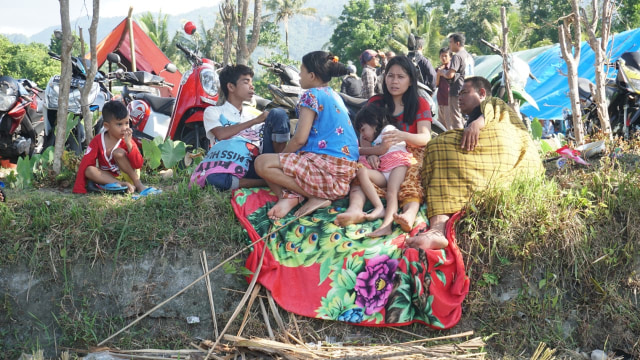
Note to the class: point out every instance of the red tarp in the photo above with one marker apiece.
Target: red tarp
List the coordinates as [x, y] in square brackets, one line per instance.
[148, 56]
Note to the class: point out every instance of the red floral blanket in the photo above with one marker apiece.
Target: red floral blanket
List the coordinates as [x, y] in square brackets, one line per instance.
[317, 269]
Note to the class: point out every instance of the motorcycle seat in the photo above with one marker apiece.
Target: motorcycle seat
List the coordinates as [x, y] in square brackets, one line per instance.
[163, 105]
[354, 101]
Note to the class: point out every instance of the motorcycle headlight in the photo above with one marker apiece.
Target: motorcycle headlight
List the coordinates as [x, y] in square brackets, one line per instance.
[185, 76]
[210, 82]
[6, 101]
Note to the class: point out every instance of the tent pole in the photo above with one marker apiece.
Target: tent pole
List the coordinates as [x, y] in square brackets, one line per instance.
[131, 41]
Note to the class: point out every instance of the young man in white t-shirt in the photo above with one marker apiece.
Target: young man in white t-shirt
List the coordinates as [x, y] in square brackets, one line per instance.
[237, 137]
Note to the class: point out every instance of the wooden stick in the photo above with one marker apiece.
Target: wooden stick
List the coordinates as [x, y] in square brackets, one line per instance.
[295, 323]
[407, 332]
[276, 315]
[242, 302]
[468, 333]
[196, 281]
[265, 316]
[205, 268]
[247, 310]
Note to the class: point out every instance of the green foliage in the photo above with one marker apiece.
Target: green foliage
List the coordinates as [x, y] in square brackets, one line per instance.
[30, 169]
[168, 152]
[628, 16]
[156, 29]
[284, 10]
[55, 45]
[27, 61]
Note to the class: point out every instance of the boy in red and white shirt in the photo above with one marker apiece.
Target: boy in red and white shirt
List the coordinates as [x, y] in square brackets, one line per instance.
[117, 156]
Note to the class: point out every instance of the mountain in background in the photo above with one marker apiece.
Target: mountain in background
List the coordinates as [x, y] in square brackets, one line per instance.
[305, 33]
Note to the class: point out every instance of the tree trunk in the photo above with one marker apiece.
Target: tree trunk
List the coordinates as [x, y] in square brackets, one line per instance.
[244, 49]
[228, 16]
[65, 83]
[286, 33]
[87, 115]
[505, 56]
[599, 47]
[566, 43]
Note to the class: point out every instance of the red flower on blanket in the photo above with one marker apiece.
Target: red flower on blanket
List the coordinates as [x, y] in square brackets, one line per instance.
[339, 130]
[375, 283]
[322, 144]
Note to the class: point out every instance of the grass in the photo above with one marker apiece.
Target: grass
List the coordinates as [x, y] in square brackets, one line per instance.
[555, 260]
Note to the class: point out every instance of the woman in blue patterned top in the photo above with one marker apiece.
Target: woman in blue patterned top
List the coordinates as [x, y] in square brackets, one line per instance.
[320, 160]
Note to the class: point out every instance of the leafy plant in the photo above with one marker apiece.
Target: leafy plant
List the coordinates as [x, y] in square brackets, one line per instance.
[167, 152]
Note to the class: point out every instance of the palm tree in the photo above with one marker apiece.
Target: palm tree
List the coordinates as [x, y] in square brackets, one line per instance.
[420, 21]
[283, 10]
[156, 29]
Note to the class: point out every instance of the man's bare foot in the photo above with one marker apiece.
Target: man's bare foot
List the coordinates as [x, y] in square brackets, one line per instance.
[403, 220]
[350, 217]
[311, 205]
[381, 231]
[130, 188]
[282, 208]
[377, 213]
[432, 239]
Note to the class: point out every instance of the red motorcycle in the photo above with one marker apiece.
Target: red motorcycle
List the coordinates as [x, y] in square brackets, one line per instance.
[21, 123]
[198, 90]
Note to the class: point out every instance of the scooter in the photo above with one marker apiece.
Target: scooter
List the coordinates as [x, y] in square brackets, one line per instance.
[21, 124]
[287, 94]
[519, 72]
[150, 114]
[98, 95]
[198, 90]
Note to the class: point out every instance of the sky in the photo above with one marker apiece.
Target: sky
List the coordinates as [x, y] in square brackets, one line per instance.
[45, 13]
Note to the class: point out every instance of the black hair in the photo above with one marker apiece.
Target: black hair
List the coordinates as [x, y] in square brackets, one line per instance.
[478, 82]
[373, 115]
[410, 98]
[419, 42]
[411, 42]
[457, 38]
[114, 110]
[324, 65]
[230, 75]
[444, 50]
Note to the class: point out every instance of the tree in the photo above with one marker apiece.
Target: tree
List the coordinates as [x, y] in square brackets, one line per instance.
[599, 47]
[285, 10]
[156, 29]
[87, 115]
[65, 83]
[544, 15]
[55, 44]
[570, 35]
[228, 16]
[468, 20]
[628, 16]
[420, 21]
[244, 48]
[27, 61]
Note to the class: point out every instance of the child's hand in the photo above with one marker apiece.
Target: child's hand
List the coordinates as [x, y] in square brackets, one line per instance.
[374, 161]
[128, 133]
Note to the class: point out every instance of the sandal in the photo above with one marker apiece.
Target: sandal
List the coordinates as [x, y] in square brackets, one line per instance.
[146, 192]
[111, 188]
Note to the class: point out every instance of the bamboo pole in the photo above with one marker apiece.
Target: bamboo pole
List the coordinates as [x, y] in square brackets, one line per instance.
[132, 43]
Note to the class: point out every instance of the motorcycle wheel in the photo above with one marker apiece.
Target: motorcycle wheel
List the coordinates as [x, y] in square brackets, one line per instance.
[195, 136]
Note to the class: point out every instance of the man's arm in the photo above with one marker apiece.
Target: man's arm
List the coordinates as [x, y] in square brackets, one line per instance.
[454, 65]
[471, 134]
[227, 132]
[368, 84]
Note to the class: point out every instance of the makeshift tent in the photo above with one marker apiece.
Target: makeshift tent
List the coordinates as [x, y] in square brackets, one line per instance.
[489, 66]
[148, 56]
[552, 92]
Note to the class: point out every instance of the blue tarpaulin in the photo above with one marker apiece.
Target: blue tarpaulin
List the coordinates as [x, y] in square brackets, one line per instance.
[552, 92]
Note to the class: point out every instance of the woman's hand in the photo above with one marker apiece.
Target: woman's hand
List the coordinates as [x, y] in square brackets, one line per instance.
[392, 137]
[374, 161]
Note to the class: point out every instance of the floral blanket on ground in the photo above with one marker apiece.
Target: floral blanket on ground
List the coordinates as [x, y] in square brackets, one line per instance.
[317, 269]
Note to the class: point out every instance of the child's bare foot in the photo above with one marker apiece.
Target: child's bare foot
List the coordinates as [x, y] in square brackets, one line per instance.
[282, 208]
[432, 239]
[130, 188]
[2, 199]
[311, 205]
[350, 217]
[377, 213]
[406, 224]
[381, 231]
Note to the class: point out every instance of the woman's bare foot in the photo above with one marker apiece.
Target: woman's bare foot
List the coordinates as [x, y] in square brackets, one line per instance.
[432, 239]
[406, 224]
[381, 231]
[282, 208]
[377, 213]
[311, 205]
[350, 217]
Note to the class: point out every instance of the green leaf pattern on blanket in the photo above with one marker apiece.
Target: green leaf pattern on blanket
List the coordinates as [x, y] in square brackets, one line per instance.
[371, 280]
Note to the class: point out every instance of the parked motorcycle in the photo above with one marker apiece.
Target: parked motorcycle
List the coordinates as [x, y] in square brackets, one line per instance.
[287, 94]
[21, 124]
[519, 72]
[98, 95]
[150, 113]
[198, 90]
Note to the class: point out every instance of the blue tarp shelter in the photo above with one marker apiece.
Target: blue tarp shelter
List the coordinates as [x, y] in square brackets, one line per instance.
[552, 92]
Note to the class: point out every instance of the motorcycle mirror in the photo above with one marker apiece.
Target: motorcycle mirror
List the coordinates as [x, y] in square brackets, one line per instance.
[113, 57]
[171, 68]
[189, 28]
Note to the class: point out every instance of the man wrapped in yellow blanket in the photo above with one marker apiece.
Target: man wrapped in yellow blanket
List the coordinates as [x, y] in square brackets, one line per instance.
[493, 148]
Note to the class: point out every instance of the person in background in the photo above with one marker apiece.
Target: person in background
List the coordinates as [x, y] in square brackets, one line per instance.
[455, 75]
[444, 115]
[351, 83]
[427, 72]
[369, 60]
